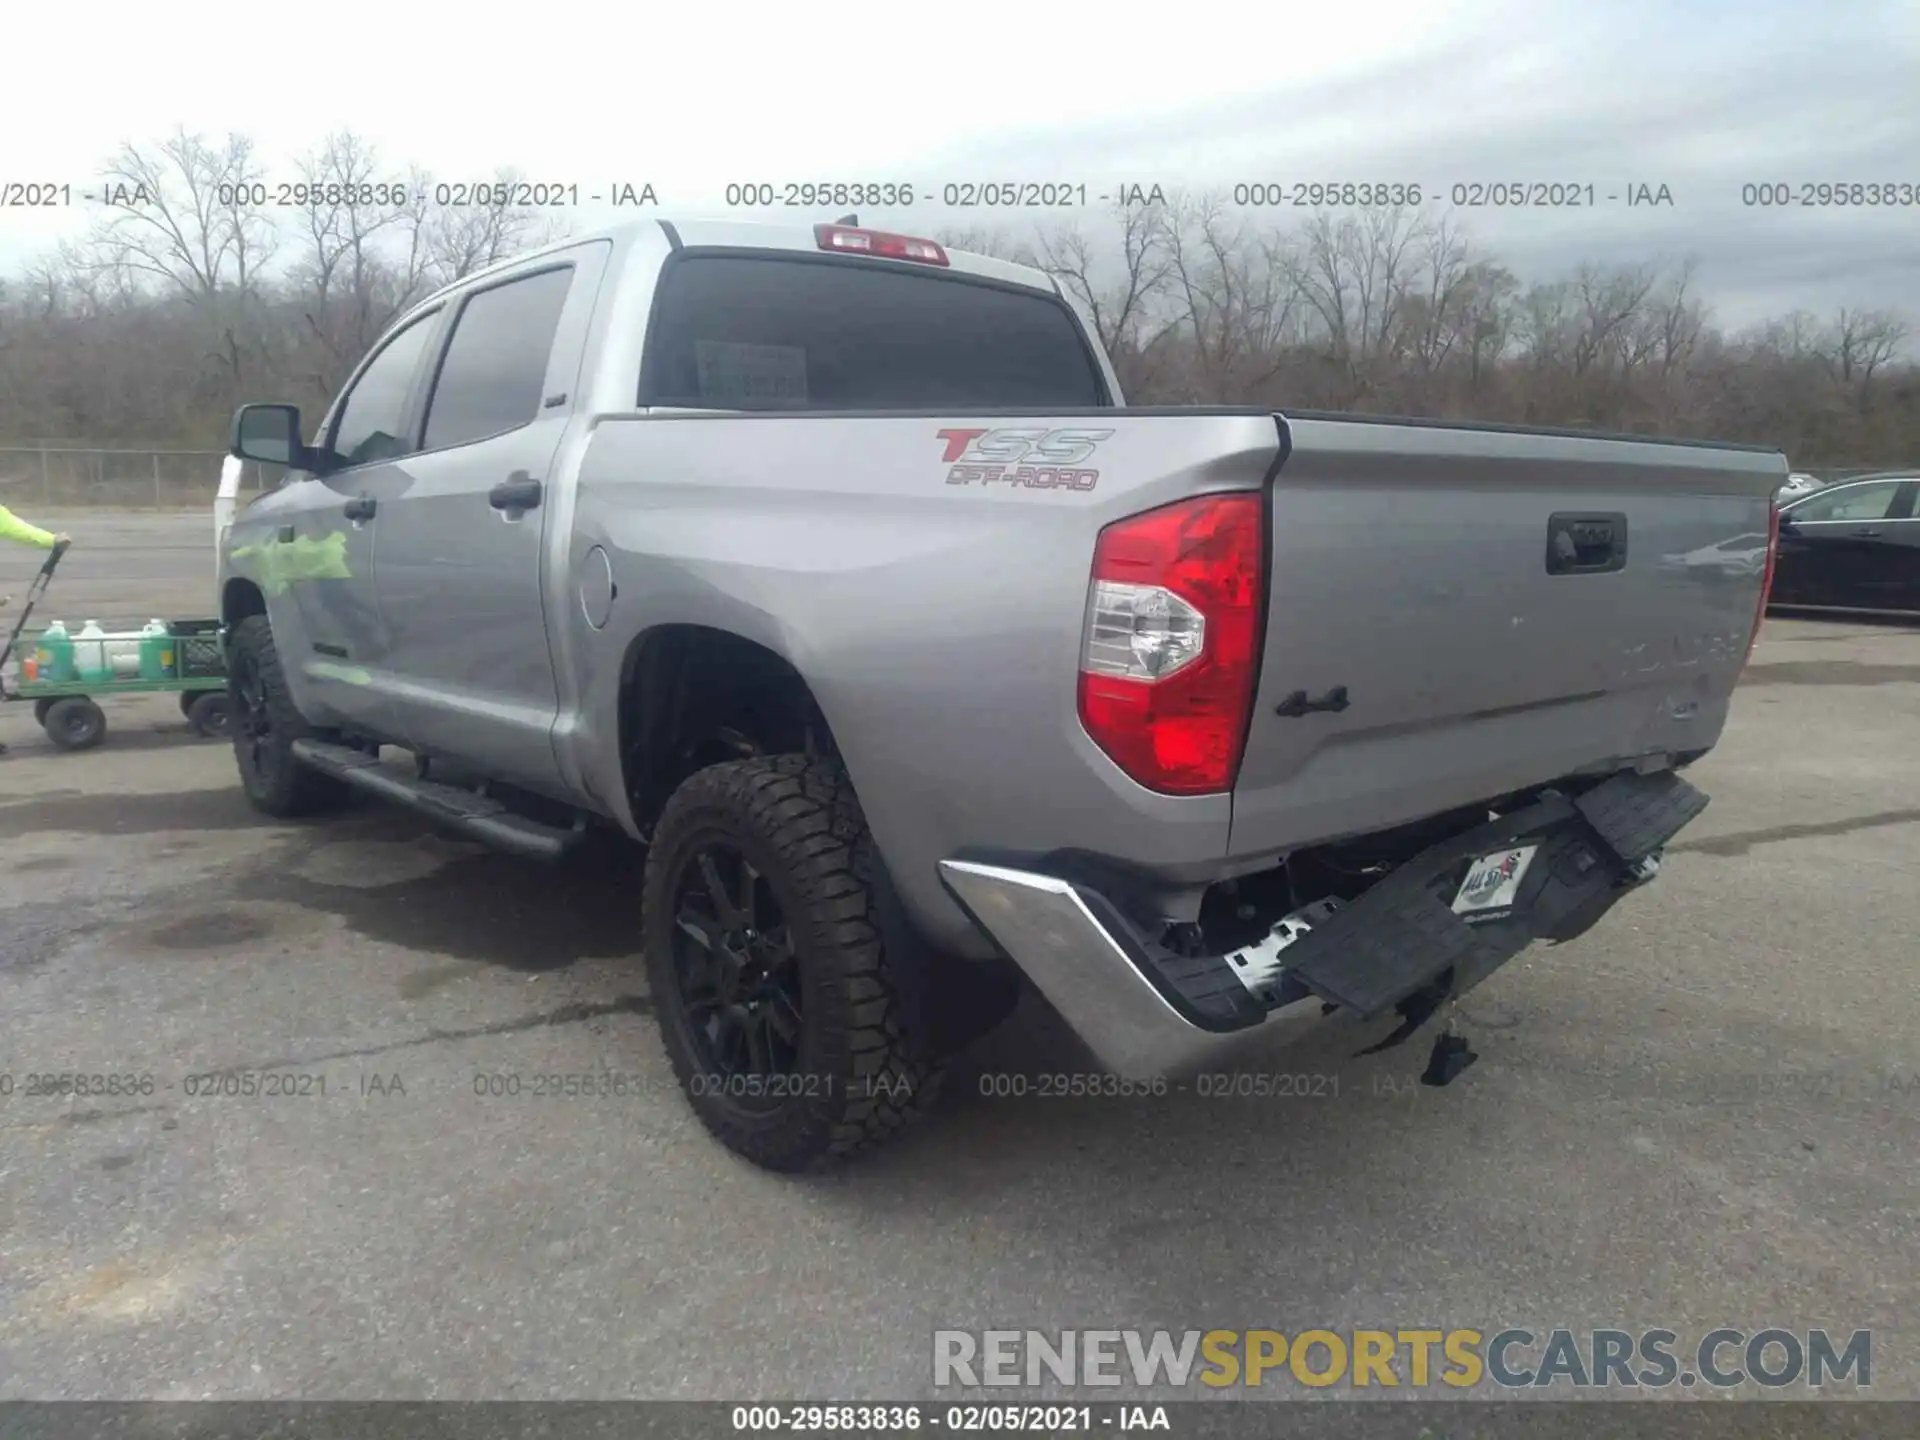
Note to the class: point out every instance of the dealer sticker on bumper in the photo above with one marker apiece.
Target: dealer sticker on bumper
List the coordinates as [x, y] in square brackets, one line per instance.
[1493, 881]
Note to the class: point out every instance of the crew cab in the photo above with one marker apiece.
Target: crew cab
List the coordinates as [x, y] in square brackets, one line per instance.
[829, 564]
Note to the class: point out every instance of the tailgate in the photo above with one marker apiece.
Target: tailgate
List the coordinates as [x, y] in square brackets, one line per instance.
[1501, 607]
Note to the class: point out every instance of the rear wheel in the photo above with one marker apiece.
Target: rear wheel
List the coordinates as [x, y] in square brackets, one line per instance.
[40, 708]
[211, 714]
[773, 989]
[264, 724]
[75, 723]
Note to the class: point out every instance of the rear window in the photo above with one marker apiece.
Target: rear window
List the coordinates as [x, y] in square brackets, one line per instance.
[750, 334]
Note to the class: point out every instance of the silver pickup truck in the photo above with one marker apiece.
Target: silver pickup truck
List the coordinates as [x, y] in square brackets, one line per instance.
[829, 564]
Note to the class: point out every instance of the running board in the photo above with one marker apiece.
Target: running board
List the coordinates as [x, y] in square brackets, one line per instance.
[476, 815]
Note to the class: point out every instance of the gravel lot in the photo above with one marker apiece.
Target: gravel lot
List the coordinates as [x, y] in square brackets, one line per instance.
[1703, 1113]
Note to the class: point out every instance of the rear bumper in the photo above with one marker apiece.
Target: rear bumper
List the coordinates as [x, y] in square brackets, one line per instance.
[1145, 1011]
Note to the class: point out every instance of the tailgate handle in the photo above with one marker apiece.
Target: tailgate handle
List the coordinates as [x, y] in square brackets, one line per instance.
[1586, 544]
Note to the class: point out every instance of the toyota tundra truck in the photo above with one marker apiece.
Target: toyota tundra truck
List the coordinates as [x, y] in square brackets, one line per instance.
[829, 565]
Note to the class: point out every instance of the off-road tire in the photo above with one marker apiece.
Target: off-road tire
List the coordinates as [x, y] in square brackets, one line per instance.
[276, 784]
[40, 708]
[861, 1076]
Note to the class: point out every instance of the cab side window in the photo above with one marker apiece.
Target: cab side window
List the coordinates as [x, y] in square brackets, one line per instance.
[494, 374]
[373, 415]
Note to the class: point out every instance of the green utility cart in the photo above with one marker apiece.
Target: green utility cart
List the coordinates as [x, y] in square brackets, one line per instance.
[62, 674]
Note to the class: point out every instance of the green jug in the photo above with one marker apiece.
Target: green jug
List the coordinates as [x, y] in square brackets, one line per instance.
[156, 651]
[54, 654]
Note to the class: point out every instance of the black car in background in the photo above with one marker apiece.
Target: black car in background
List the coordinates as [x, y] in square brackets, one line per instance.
[1851, 546]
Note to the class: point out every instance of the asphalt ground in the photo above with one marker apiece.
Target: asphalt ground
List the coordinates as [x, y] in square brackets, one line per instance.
[1703, 1113]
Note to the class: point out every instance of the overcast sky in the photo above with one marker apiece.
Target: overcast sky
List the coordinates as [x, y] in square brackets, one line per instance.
[1701, 98]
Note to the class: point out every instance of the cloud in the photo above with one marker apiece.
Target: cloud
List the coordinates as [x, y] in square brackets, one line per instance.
[1703, 100]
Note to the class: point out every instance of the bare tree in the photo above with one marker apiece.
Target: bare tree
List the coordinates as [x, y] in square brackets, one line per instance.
[186, 299]
[1442, 287]
[1118, 304]
[183, 214]
[1858, 345]
[1485, 319]
[187, 217]
[455, 240]
[1353, 273]
[361, 258]
[1607, 300]
[1236, 299]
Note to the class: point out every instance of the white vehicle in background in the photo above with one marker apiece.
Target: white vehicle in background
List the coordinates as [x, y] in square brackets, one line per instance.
[225, 501]
[1796, 486]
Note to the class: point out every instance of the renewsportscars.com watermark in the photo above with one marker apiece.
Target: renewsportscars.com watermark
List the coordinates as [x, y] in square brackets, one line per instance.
[1510, 1359]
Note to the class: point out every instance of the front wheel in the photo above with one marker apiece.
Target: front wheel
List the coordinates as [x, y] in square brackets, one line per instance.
[264, 723]
[772, 986]
[75, 723]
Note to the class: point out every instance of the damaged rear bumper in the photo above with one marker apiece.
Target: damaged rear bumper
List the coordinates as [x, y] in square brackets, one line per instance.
[1145, 1011]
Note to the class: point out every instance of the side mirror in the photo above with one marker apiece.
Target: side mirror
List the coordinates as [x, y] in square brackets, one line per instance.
[269, 434]
[1788, 524]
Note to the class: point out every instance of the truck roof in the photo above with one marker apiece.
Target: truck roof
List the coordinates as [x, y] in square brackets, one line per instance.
[747, 235]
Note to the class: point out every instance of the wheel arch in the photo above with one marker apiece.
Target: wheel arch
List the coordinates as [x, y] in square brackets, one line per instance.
[694, 695]
[240, 598]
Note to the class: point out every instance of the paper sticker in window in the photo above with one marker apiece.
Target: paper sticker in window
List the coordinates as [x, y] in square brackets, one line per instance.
[731, 372]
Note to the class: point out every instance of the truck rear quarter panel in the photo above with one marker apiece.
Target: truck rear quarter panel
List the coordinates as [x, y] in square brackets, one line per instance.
[937, 624]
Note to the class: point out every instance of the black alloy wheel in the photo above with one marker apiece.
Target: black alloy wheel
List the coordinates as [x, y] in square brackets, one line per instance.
[779, 1005]
[251, 722]
[263, 723]
[737, 974]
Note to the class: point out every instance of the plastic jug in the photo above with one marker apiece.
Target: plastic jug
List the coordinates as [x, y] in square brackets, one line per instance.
[53, 652]
[123, 655]
[156, 651]
[90, 654]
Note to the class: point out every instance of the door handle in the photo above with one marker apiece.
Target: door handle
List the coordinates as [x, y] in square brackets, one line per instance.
[519, 491]
[361, 507]
[1865, 534]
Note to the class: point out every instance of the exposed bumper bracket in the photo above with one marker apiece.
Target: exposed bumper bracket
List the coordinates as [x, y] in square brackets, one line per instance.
[1144, 1011]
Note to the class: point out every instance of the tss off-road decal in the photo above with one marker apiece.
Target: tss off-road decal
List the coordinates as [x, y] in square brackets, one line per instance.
[1031, 458]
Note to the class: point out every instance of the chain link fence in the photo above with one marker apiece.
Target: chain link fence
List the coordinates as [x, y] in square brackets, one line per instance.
[53, 476]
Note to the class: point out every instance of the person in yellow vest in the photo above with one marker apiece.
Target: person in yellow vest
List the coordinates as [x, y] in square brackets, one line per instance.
[13, 528]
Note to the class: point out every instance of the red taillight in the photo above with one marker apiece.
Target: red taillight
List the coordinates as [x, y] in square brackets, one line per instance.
[851, 240]
[1766, 579]
[1170, 652]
